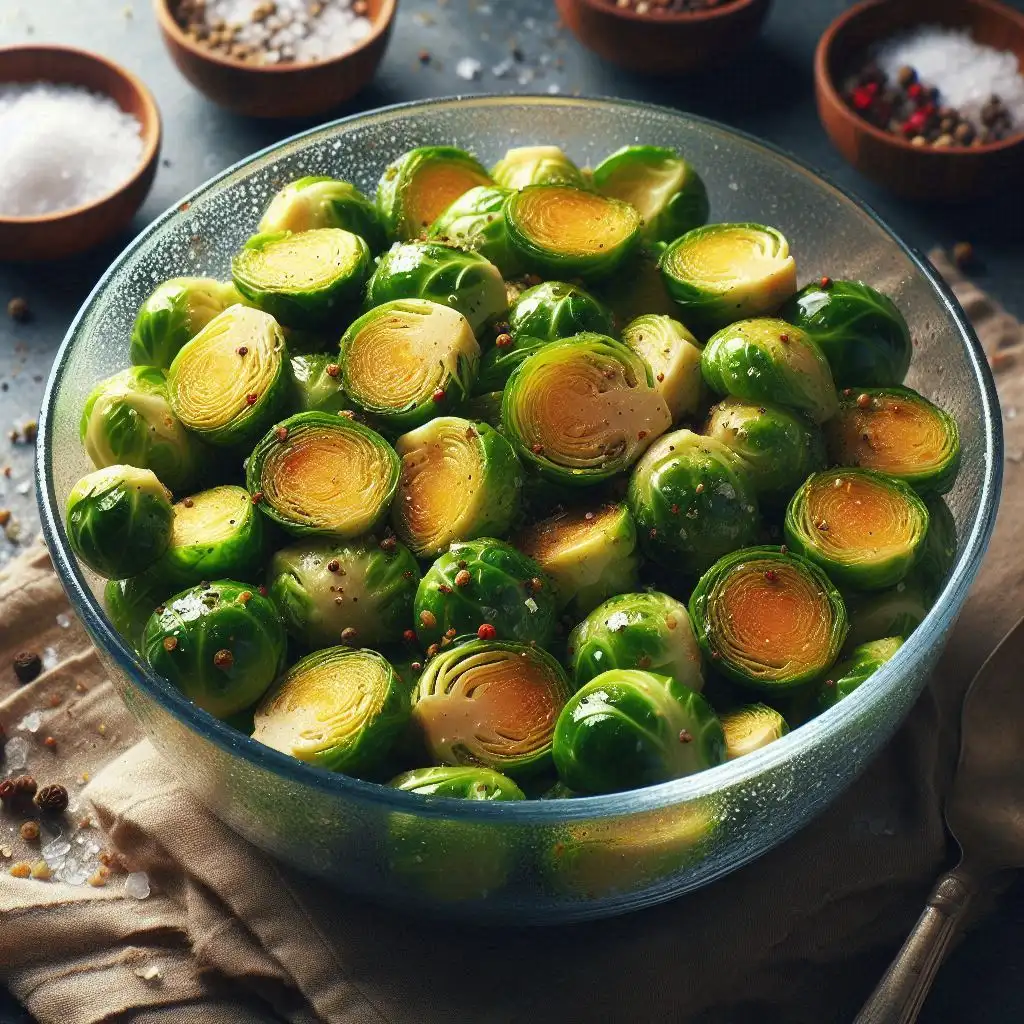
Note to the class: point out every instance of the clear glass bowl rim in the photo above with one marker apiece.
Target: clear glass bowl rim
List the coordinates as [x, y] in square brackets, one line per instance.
[732, 774]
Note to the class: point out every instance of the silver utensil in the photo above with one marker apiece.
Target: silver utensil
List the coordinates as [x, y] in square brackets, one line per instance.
[985, 813]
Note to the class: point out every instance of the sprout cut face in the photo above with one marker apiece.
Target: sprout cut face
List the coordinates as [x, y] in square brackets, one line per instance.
[864, 661]
[672, 354]
[476, 220]
[536, 165]
[321, 474]
[462, 782]
[750, 728]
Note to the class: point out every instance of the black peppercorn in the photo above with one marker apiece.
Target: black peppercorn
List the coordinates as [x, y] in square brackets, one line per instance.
[27, 665]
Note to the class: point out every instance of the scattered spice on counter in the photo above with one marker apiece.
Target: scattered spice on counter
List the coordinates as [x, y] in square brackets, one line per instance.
[52, 799]
[963, 255]
[29, 831]
[18, 310]
[27, 666]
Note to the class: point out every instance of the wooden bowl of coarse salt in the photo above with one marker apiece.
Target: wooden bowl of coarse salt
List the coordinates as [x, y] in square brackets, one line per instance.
[277, 58]
[81, 138]
[927, 96]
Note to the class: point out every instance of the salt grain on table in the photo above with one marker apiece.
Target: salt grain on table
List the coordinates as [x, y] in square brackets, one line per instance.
[16, 754]
[136, 885]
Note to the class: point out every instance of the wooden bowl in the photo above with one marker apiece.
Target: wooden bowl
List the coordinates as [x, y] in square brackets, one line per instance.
[278, 90]
[948, 174]
[664, 44]
[56, 235]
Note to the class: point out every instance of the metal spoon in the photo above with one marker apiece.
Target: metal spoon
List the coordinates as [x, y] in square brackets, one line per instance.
[985, 813]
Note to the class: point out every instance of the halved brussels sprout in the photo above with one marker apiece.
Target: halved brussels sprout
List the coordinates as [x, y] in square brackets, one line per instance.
[627, 728]
[536, 165]
[339, 708]
[459, 481]
[175, 313]
[768, 619]
[589, 554]
[230, 381]
[420, 185]
[722, 273]
[316, 382]
[119, 520]
[672, 354]
[778, 448]
[305, 280]
[898, 432]
[127, 420]
[583, 409]
[476, 220]
[666, 190]
[130, 603]
[638, 289]
[315, 473]
[408, 360]
[461, 782]
[221, 644]
[863, 335]
[328, 591]
[692, 502]
[769, 360]
[750, 728]
[553, 310]
[862, 663]
[453, 277]
[875, 615]
[645, 630]
[492, 704]
[569, 232]
[864, 529]
[938, 553]
[487, 587]
[322, 202]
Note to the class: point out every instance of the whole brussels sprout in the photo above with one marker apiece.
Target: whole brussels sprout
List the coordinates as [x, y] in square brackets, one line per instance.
[460, 782]
[554, 310]
[863, 662]
[672, 354]
[497, 364]
[484, 407]
[220, 644]
[876, 615]
[130, 603]
[476, 220]
[627, 728]
[938, 553]
[750, 728]
[119, 520]
[536, 165]
[637, 288]
[316, 384]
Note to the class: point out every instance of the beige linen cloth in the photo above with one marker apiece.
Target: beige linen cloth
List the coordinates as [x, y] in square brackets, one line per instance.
[228, 935]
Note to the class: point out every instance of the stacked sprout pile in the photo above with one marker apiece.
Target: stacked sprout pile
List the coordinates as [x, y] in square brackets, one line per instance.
[528, 481]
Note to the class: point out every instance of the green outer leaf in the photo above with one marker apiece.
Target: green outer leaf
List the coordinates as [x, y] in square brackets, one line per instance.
[536, 165]
[129, 604]
[863, 662]
[205, 620]
[938, 553]
[884, 613]
[750, 728]
[313, 388]
[706, 523]
[484, 408]
[672, 355]
[863, 335]
[554, 310]
[498, 364]
[475, 221]
[626, 729]
[462, 782]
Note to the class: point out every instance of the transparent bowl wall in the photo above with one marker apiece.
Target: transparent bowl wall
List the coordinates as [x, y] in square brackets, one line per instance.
[541, 861]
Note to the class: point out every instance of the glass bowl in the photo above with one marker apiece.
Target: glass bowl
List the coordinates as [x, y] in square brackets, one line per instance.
[552, 860]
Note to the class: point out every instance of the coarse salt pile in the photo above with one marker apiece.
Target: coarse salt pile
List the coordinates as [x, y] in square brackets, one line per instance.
[966, 73]
[62, 146]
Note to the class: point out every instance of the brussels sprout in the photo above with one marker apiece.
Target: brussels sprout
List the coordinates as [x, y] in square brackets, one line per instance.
[361, 592]
[310, 343]
[582, 410]
[536, 165]
[778, 448]
[637, 289]
[672, 354]
[692, 502]
[768, 619]
[175, 313]
[646, 630]
[484, 408]
[420, 185]
[316, 473]
[627, 728]
[569, 232]
[453, 277]
[666, 190]
[305, 280]
[896, 612]
[462, 782]
[898, 432]
[128, 420]
[459, 481]
[863, 662]
[130, 603]
[221, 644]
[498, 363]
[863, 335]
[485, 582]
[589, 555]
[864, 529]
[320, 202]
[317, 384]
[476, 220]
[555, 310]
[339, 708]
[408, 360]
[119, 520]
[768, 360]
[492, 704]
[938, 553]
[722, 273]
[230, 381]
[750, 728]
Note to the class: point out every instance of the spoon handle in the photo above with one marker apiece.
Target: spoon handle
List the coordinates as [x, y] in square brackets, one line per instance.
[901, 992]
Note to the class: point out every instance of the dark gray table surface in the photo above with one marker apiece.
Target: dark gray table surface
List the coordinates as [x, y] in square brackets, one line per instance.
[770, 94]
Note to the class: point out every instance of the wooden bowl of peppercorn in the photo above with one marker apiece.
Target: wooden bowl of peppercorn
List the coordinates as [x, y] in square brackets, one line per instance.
[265, 84]
[665, 37]
[906, 154]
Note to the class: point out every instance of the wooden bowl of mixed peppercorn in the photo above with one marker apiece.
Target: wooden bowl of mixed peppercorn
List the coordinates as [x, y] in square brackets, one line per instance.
[665, 37]
[895, 125]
